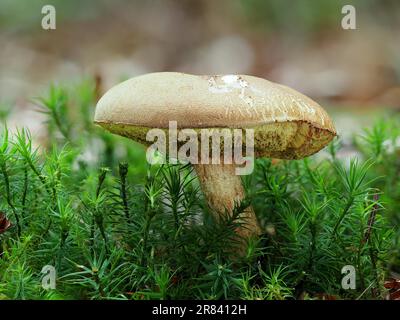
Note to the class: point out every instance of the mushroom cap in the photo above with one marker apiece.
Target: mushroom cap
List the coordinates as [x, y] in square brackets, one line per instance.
[286, 123]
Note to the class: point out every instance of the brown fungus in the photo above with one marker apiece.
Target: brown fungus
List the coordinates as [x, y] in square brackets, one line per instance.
[287, 124]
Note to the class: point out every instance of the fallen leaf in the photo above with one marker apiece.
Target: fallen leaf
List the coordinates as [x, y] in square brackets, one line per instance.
[5, 224]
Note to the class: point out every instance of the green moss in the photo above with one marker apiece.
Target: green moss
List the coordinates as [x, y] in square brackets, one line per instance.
[144, 232]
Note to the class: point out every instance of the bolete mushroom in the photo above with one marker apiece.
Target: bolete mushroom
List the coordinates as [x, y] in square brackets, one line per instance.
[286, 124]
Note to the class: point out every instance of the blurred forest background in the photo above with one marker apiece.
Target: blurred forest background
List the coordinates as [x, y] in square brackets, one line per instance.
[353, 73]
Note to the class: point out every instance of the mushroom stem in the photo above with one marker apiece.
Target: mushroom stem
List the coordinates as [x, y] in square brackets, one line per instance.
[223, 189]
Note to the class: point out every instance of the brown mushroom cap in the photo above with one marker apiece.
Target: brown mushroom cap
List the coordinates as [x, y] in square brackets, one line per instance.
[287, 124]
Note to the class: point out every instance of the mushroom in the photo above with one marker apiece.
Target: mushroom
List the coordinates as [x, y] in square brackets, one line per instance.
[286, 124]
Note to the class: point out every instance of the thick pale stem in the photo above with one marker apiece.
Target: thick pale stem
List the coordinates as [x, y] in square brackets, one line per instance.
[223, 188]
